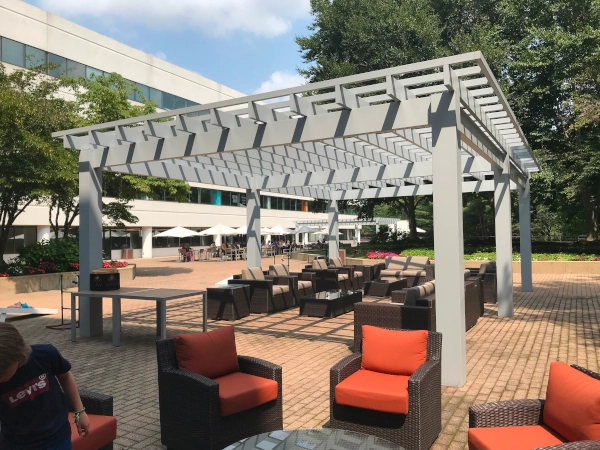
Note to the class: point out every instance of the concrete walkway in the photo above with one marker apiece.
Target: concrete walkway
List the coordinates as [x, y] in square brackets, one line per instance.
[507, 358]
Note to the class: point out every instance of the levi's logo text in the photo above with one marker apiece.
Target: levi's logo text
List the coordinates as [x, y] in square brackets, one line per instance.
[27, 392]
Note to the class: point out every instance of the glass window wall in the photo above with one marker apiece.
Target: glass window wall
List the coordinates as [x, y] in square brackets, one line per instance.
[59, 64]
[13, 52]
[34, 57]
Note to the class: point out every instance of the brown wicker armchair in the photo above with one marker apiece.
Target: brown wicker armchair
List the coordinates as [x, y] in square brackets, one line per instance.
[305, 282]
[328, 278]
[487, 275]
[191, 406]
[420, 426]
[525, 421]
[354, 272]
[268, 294]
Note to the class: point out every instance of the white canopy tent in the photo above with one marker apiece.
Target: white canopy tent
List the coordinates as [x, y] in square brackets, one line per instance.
[244, 230]
[278, 230]
[219, 230]
[439, 128]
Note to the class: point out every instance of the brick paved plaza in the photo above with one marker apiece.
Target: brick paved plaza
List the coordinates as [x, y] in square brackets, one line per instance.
[507, 358]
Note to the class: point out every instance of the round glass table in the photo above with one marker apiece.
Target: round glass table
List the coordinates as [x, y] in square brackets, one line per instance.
[314, 439]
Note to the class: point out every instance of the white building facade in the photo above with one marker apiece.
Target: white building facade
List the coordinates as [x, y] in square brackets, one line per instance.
[30, 36]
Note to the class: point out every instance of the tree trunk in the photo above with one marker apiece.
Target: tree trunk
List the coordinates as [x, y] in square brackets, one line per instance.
[591, 217]
[411, 212]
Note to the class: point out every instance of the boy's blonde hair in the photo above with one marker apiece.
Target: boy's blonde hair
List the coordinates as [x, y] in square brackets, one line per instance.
[12, 347]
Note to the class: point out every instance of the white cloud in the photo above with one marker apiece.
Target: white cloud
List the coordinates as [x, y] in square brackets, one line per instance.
[160, 55]
[266, 18]
[280, 80]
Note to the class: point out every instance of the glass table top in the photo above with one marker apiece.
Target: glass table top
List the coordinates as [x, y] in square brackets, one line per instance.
[314, 439]
[227, 286]
[333, 294]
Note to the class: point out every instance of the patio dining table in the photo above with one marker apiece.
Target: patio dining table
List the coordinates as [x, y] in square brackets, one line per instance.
[160, 296]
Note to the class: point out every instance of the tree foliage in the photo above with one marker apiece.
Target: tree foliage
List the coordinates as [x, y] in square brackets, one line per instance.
[545, 54]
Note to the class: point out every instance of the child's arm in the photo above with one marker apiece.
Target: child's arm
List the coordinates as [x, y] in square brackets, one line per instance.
[69, 386]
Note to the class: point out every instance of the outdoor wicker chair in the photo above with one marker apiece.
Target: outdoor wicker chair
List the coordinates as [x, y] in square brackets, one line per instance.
[234, 397]
[356, 272]
[328, 278]
[487, 274]
[394, 396]
[103, 426]
[305, 281]
[566, 420]
[268, 294]
[416, 269]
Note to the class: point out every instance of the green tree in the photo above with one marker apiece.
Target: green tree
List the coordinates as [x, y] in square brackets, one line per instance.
[30, 110]
[98, 100]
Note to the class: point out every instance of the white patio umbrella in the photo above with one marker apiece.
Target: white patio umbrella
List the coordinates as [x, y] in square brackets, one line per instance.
[178, 232]
[219, 229]
[305, 229]
[244, 230]
[279, 230]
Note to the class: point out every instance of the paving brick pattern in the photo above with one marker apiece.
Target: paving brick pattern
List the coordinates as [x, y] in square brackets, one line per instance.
[507, 358]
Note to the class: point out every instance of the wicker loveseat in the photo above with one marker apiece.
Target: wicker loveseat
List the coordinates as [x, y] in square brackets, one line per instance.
[567, 420]
[268, 294]
[416, 269]
[487, 276]
[392, 389]
[355, 273]
[235, 397]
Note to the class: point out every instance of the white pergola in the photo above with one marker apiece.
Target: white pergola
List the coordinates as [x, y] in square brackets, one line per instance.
[440, 127]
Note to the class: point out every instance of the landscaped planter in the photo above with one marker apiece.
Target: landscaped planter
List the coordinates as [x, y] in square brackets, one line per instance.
[48, 282]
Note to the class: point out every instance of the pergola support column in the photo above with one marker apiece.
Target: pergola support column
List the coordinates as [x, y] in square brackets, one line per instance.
[146, 242]
[449, 247]
[90, 246]
[253, 220]
[525, 236]
[503, 241]
[334, 228]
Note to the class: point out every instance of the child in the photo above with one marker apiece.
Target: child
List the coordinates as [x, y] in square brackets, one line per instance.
[33, 409]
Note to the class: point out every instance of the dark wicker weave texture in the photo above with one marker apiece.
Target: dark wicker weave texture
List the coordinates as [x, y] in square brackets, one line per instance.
[327, 280]
[228, 303]
[378, 288]
[515, 413]
[416, 430]
[317, 307]
[262, 299]
[189, 405]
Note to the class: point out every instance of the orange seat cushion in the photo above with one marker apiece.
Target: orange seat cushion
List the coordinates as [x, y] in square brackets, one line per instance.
[572, 406]
[393, 352]
[374, 390]
[103, 430]
[212, 354]
[512, 438]
[240, 391]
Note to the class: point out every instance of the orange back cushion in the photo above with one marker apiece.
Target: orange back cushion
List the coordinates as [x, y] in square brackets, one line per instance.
[572, 406]
[393, 352]
[212, 354]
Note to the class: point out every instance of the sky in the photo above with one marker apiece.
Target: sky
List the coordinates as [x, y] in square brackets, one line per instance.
[247, 45]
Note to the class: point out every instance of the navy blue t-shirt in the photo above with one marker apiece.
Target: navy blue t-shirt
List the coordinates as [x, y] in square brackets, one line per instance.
[33, 408]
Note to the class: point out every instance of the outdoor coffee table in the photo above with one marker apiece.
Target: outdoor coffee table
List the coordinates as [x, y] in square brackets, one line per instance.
[315, 439]
[228, 301]
[384, 286]
[329, 303]
[160, 296]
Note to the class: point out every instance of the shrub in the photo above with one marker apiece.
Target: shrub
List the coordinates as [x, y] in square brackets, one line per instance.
[59, 252]
[378, 254]
[114, 264]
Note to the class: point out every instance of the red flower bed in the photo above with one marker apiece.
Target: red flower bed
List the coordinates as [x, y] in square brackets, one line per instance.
[114, 264]
[378, 254]
[3, 274]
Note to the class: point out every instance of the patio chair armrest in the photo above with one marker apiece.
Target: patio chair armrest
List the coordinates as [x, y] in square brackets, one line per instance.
[367, 271]
[279, 280]
[260, 368]
[430, 270]
[344, 270]
[377, 268]
[254, 284]
[95, 403]
[578, 445]
[306, 276]
[506, 414]
[344, 368]
[190, 398]
[428, 376]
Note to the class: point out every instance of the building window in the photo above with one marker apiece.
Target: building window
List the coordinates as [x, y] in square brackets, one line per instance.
[205, 196]
[19, 237]
[58, 63]
[143, 95]
[225, 198]
[13, 52]
[75, 69]
[34, 57]
[215, 197]
[91, 72]
[171, 101]
[157, 97]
